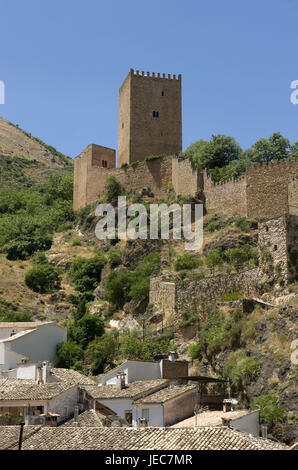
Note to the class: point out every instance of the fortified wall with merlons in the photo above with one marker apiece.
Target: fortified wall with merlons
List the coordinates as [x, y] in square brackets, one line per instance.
[150, 124]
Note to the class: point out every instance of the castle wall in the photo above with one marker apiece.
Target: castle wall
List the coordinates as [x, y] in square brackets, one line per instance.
[267, 188]
[154, 174]
[186, 178]
[124, 122]
[293, 196]
[88, 168]
[226, 197]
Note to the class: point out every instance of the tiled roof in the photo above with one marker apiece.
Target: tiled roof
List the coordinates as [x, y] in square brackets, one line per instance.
[89, 418]
[131, 390]
[167, 394]
[212, 418]
[71, 377]
[119, 438]
[19, 389]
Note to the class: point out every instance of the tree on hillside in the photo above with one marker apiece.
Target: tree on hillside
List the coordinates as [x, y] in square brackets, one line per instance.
[275, 148]
[220, 151]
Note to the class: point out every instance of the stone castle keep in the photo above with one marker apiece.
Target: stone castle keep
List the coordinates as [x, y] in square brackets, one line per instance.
[150, 124]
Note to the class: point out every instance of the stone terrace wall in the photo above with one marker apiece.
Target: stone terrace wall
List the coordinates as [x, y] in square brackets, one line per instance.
[186, 178]
[227, 197]
[267, 188]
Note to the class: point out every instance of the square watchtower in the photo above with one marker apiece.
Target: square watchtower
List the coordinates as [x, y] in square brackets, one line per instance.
[149, 116]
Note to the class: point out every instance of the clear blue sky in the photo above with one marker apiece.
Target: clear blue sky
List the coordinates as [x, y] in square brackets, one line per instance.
[63, 62]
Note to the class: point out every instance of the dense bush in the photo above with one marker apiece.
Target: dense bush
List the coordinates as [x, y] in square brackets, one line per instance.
[239, 366]
[269, 408]
[29, 217]
[43, 279]
[214, 259]
[113, 189]
[114, 258]
[124, 285]
[101, 352]
[240, 256]
[24, 248]
[15, 316]
[69, 353]
[187, 261]
[149, 349]
[86, 272]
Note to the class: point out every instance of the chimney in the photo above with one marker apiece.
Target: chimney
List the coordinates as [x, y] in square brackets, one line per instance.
[143, 422]
[121, 380]
[76, 415]
[171, 357]
[46, 368]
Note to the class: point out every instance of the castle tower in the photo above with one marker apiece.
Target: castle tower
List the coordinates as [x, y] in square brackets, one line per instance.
[149, 116]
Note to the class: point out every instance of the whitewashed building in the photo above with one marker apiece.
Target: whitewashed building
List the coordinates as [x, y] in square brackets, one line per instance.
[35, 341]
[145, 370]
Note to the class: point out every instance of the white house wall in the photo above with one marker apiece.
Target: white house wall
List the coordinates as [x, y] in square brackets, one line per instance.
[40, 344]
[135, 371]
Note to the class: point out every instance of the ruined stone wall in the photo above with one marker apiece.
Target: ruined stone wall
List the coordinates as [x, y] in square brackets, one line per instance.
[186, 178]
[226, 197]
[181, 295]
[267, 188]
[292, 244]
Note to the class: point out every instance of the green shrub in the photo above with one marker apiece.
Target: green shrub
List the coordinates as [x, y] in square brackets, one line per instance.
[40, 258]
[242, 223]
[240, 366]
[113, 189]
[24, 248]
[194, 351]
[189, 318]
[214, 259]
[231, 296]
[86, 272]
[187, 261]
[43, 279]
[15, 317]
[149, 349]
[270, 410]
[101, 351]
[68, 354]
[153, 157]
[118, 284]
[114, 258]
[240, 256]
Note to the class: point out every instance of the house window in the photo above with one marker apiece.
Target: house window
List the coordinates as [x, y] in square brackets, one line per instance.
[155, 114]
[128, 416]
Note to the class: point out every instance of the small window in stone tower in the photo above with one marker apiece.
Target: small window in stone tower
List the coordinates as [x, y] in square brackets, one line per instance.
[275, 247]
[122, 125]
[155, 114]
[162, 93]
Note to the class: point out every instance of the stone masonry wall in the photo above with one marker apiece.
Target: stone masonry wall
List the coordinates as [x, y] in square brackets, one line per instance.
[293, 196]
[227, 197]
[186, 178]
[267, 188]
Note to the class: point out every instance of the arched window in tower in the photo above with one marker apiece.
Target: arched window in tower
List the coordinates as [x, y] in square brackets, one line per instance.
[156, 114]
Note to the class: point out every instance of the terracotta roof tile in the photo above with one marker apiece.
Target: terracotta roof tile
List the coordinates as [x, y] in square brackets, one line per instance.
[119, 438]
[19, 389]
[167, 394]
[132, 390]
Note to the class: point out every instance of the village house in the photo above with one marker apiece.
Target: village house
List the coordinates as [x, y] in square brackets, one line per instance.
[129, 400]
[38, 393]
[35, 341]
[135, 370]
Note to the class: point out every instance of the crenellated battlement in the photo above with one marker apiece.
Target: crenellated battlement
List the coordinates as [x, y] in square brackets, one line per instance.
[154, 75]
